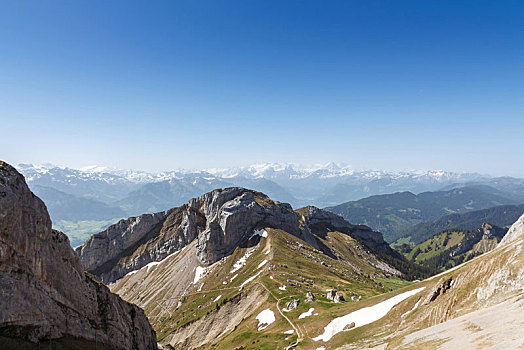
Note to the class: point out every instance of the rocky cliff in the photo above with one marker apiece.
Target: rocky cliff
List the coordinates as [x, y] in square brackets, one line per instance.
[219, 221]
[515, 232]
[45, 294]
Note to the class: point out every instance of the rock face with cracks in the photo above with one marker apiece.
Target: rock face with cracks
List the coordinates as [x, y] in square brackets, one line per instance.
[45, 293]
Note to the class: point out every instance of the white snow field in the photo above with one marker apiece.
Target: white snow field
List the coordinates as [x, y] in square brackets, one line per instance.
[364, 316]
[265, 318]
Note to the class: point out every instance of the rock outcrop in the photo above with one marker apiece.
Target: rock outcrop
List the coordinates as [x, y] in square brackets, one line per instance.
[292, 305]
[480, 240]
[515, 232]
[219, 222]
[45, 294]
[335, 296]
[310, 297]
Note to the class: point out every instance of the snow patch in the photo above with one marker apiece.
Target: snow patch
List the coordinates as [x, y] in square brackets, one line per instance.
[250, 279]
[307, 313]
[364, 316]
[217, 298]
[152, 264]
[265, 318]
[262, 264]
[413, 309]
[261, 233]
[242, 261]
[282, 287]
[199, 273]
[232, 278]
[291, 331]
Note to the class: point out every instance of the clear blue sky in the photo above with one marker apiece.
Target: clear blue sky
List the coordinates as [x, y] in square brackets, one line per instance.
[159, 85]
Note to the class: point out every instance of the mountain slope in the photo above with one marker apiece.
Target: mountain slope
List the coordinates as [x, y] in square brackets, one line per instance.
[450, 248]
[395, 214]
[477, 305]
[503, 215]
[46, 298]
[205, 270]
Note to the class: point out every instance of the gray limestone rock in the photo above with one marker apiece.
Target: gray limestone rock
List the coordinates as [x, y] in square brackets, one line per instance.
[293, 304]
[44, 292]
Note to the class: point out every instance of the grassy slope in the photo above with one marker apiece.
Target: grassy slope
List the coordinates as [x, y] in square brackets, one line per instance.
[435, 245]
[450, 248]
[293, 264]
[471, 290]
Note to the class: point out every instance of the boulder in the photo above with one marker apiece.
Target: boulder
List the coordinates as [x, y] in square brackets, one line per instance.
[292, 305]
[310, 297]
[339, 297]
[349, 326]
[331, 295]
[335, 296]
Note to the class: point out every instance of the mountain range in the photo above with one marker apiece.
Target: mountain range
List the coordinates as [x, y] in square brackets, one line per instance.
[80, 200]
[321, 185]
[397, 214]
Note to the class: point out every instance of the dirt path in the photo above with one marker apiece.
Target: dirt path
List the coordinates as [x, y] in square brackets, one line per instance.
[300, 334]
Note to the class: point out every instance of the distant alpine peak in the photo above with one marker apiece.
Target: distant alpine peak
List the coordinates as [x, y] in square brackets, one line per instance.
[282, 171]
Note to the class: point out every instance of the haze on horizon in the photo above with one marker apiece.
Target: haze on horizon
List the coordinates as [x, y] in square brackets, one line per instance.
[433, 85]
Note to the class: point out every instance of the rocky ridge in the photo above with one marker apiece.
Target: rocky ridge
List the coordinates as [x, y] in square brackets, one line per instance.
[219, 221]
[44, 291]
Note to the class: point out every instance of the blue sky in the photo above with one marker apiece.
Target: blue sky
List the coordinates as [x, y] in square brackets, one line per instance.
[159, 85]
